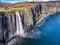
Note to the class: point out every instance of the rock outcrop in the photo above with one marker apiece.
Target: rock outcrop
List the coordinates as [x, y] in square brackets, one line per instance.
[28, 18]
[31, 14]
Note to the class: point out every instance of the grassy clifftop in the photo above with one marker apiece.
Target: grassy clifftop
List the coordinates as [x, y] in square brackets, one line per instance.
[16, 6]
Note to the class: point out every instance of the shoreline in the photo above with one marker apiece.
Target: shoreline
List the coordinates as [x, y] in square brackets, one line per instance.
[42, 19]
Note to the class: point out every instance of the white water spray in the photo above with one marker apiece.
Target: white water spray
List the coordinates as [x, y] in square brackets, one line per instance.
[19, 25]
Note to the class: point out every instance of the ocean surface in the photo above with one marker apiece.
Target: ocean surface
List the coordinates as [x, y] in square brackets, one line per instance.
[50, 32]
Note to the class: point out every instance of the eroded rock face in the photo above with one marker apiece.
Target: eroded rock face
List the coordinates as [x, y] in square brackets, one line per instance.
[8, 25]
[29, 17]
[8, 22]
[0, 26]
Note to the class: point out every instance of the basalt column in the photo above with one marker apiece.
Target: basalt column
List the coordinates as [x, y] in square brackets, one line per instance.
[11, 24]
[5, 31]
[34, 15]
[0, 26]
[28, 19]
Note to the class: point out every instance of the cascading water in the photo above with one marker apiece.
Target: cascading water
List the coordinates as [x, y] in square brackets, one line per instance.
[20, 30]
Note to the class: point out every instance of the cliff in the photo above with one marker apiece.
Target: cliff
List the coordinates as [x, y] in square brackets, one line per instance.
[32, 14]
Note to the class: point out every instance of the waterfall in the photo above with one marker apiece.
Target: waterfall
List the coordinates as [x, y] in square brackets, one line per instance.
[20, 30]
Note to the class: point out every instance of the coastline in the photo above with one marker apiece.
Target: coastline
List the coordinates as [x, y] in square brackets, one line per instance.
[43, 17]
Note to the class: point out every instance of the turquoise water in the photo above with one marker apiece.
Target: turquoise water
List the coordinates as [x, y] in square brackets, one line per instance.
[50, 32]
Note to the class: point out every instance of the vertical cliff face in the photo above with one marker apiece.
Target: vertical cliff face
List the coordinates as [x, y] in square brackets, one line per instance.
[28, 20]
[11, 23]
[8, 19]
[31, 14]
[36, 12]
[0, 26]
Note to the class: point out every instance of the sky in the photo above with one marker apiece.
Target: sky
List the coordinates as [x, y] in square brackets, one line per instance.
[13, 1]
